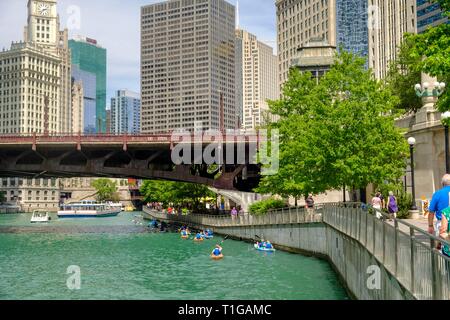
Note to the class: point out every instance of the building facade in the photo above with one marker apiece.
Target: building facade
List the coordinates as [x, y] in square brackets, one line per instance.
[89, 83]
[429, 14]
[256, 74]
[90, 57]
[77, 107]
[370, 28]
[187, 62]
[36, 96]
[388, 22]
[126, 112]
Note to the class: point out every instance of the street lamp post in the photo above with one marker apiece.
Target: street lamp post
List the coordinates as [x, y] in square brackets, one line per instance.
[412, 142]
[445, 119]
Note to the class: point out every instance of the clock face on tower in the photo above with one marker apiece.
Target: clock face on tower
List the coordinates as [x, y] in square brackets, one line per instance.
[43, 9]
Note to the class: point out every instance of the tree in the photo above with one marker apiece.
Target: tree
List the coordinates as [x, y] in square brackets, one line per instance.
[2, 196]
[404, 74]
[343, 133]
[432, 47]
[106, 189]
[176, 193]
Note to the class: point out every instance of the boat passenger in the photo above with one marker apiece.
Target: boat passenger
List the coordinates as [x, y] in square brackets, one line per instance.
[217, 250]
[269, 245]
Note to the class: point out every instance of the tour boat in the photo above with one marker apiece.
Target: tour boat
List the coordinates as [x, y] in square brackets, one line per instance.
[40, 217]
[117, 205]
[88, 209]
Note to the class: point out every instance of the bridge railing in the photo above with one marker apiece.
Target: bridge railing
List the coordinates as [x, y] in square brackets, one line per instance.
[407, 251]
[285, 216]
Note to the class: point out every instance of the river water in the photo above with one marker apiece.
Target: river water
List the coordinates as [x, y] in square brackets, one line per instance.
[119, 258]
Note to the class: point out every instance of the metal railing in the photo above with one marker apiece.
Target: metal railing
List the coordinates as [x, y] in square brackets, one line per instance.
[406, 251]
[284, 216]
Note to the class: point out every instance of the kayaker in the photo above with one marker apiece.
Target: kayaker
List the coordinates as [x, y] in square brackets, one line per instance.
[184, 233]
[217, 251]
[198, 236]
[269, 245]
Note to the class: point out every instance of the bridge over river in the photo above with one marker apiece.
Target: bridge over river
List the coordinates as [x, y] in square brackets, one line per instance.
[375, 259]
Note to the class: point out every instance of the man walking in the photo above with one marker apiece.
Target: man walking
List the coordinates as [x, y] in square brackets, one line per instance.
[439, 202]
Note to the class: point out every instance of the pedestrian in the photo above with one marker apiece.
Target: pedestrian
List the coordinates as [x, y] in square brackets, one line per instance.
[392, 206]
[309, 204]
[376, 205]
[439, 202]
[234, 213]
[444, 230]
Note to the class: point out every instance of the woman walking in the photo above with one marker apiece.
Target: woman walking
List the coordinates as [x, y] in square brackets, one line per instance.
[376, 205]
[392, 206]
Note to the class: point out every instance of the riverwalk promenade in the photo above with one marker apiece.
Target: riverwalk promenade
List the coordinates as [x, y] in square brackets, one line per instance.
[375, 259]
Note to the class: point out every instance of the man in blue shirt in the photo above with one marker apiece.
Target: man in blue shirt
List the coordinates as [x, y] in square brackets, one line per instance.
[439, 202]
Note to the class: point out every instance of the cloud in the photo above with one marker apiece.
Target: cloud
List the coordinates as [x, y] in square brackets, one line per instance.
[115, 24]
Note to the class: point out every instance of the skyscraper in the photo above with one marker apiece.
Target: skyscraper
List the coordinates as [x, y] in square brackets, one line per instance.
[370, 28]
[35, 91]
[256, 74]
[89, 83]
[388, 22]
[187, 62]
[88, 56]
[126, 112]
[429, 14]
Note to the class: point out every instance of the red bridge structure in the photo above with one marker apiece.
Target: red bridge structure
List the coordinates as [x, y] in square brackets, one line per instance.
[133, 156]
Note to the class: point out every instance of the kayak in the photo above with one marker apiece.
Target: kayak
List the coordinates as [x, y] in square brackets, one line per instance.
[219, 257]
[185, 237]
[199, 240]
[264, 249]
[208, 237]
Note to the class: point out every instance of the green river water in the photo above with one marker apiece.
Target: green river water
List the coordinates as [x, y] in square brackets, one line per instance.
[120, 259]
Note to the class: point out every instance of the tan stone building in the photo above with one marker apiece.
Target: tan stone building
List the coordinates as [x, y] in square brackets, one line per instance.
[77, 107]
[371, 28]
[389, 20]
[187, 60]
[36, 95]
[256, 79]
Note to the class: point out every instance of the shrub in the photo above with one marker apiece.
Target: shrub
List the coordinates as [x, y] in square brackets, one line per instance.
[264, 206]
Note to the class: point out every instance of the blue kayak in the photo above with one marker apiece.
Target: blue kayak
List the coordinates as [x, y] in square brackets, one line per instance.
[208, 237]
[264, 249]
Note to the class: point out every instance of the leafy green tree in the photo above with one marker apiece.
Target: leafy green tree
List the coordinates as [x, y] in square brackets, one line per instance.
[106, 189]
[2, 196]
[264, 206]
[404, 74]
[343, 133]
[433, 48]
[176, 193]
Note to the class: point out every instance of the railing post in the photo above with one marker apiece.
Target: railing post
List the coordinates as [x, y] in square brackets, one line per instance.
[384, 243]
[396, 247]
[434, 272]
[373, 233]
[290, 216]
[411, 238]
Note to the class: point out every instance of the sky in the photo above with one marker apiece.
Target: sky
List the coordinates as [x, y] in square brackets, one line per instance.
[115, 24]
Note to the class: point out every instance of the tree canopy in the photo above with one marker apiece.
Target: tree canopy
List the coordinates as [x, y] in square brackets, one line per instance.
[175, 193]
[337, 132]
[106, 189]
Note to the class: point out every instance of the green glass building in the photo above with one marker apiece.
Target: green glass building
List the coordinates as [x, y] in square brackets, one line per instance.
[88, 56]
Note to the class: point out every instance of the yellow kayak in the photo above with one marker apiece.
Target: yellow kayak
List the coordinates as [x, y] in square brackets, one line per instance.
[219, 257]
[198, 240]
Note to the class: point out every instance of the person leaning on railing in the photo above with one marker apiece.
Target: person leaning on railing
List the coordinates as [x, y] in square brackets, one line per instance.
[439, 202]
[444, 231]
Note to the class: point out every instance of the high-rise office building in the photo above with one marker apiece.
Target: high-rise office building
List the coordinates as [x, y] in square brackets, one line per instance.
[256, 79]
[429, 14]
[89, 56]
[187, 63]
[89, 83]
[370, 28]
[36, 96]
[77, 107]
[126, 112]
[388, 22]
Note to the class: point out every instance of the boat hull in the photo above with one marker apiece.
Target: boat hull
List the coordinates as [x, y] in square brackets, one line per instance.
[82, 215]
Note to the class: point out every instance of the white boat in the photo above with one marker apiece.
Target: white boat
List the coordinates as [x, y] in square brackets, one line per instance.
[88, 209]
[40, 217]
[117, 205]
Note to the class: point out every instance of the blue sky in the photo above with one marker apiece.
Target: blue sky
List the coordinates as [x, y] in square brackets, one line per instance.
[116, 26]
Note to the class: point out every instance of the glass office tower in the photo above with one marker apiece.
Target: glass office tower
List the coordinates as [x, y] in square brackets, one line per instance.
[429, 14]
[88, 56]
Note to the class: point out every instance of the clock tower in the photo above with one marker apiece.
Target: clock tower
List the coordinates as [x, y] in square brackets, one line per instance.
[43, 23]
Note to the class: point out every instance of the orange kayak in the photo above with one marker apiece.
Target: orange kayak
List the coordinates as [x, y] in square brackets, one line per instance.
[198, 240]
[219, 257]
